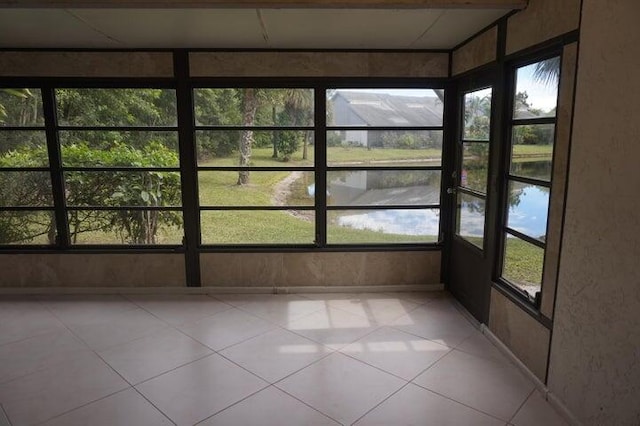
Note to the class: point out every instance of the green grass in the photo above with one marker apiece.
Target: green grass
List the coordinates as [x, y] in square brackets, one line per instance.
[523, 263]
[533, 150]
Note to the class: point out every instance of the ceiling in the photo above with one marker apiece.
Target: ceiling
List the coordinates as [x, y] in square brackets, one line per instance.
[241, 28]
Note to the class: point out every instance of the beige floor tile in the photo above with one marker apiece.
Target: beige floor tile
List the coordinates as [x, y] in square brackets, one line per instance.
[269, 407]
[414, 406]
[537, 411]
[439, 321]
[152, 355]
[379, 308]
[275, 354]
[23, 317]
[57, 389]
[36, 353]
[226, 328]
[73, 309]
[341, 387]
[333, 327]
[198, 390]
[104, 331]
[478, 344]
[494, 387]
[396, 352]
[125, 408]
[282, 309]
[178, 309]
[420, 297]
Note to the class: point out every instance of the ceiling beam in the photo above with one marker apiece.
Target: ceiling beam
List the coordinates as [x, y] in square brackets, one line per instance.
[268, 4]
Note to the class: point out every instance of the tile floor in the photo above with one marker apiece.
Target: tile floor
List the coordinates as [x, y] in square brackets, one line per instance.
[315, 359]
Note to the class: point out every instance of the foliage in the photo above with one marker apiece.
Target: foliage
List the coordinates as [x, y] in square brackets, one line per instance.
[114, 189]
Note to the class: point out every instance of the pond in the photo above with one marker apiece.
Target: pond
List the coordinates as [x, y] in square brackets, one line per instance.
[528, 203]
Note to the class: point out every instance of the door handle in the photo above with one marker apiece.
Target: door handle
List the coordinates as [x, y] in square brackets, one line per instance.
[451, 191]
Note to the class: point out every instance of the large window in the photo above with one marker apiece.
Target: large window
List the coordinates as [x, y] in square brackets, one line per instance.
[384, 155]
[255, 151]
[27, 215]
[532, 135]
[120, 165]
[105, 168]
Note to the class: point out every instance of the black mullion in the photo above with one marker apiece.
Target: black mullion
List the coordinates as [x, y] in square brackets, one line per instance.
[387, 207]
[26, 208]
[385, 168]
[386, 128]
[254, 169]
[22, 128]
[533, 121]
[253, 128]
[120, 169]
[55, 165]
[255, 208]
[320, 156]
[124, 208]
[168, 129]
[188, 166]
[530, 181]
[472, 192]
[524, 237]
[24, 169]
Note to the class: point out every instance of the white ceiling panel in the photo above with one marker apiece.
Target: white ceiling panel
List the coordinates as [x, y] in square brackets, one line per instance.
[214, 28]
[351, 29]
[455, 26]
[241, 28]
[47, 28]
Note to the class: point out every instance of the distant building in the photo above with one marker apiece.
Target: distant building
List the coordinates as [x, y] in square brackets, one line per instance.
[359, 108]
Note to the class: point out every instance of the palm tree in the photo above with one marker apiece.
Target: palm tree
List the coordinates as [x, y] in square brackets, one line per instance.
[547, 72]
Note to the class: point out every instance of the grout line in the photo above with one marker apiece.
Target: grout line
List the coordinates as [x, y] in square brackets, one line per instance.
[459, 402]
[235, 403]
[310, 406]
[153, 405]
[381, 402]
[515, 413]
[4, 417]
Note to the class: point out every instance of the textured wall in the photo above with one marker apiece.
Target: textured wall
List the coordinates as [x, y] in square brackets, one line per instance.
[86, 64]
[92, 270]
[318, 64]
[475, 53]
[523, 335]
[559, 182]
[320, 269]
[595, 353]
[540, 21]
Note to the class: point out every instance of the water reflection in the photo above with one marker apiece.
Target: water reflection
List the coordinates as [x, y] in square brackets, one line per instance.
[403, 222]
[529, 213]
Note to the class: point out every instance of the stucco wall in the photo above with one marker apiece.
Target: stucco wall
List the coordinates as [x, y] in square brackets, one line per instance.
[521, 333]
[595, 352]
[318, 64]
[320, 269]
[477, 52]
[541, 21]
[86, 64]
[92, 270]
[559, 182]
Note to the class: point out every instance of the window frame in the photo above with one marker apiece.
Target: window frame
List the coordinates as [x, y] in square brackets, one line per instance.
[509, 122]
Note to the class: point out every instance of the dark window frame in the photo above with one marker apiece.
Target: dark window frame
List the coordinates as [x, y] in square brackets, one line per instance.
[531, 301]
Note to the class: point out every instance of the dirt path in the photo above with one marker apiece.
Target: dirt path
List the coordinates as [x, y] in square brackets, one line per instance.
[282, 191]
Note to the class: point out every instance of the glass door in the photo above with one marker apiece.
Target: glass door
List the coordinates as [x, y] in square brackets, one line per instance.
[470, 267]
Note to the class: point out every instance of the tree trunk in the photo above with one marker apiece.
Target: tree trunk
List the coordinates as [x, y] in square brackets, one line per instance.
[305, 143]
[246, 137]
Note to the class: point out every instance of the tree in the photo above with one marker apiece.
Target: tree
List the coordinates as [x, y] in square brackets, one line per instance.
[548, 71]
[249, 106]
